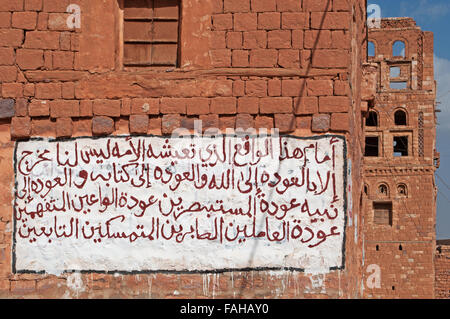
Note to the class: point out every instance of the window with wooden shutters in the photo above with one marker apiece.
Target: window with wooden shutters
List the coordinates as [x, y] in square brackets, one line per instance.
[382, 213]
[151, 32]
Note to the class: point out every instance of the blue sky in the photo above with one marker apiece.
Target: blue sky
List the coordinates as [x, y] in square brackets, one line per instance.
[433, 15]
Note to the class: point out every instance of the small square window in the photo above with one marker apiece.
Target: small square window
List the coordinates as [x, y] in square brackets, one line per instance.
[400, 146]
[382, 213]
[151, 32]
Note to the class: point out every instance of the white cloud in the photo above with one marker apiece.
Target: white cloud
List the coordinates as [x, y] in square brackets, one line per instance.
[442, 75]
[425, 9]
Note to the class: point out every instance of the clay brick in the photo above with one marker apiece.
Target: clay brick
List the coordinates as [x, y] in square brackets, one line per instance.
[5, 20]
[223, 105]
[238, 88]
[285, 122]
[240, 59]
[33, 5]
[197, 106]
[12, 90]
[39, 108]
[317, 5]
[293, 87]
[222, 22]
[217, 6]
[11, 5]
[236, 5]
[274, 87]
[145, 106]
[245, 21]
[28, 89]
[42, 40]
[260, 58]
[341, 5]
[255, 40]
[42, 23]
[8, 74]
[48, 60]
[109, 108]
[11, 38]
[86, 108]
[330, 59]
[64, 41]
[43, 127]
[332, 104]
[155, 124]
[188, 123]
[304, 122]
[55, 5]
[23, 287]
[63, 60]
[294, 20]
[289, 58]
[264, 122]
[318, 39]
[234, 40]
[227, 123]
[244, 121]
[139, 124]
[7, 109]
[256, 88]
[21, 107]
[306, 105]
[65, 108]
[102, 125]
[68, 90]
[173, 106]
[289, 5]
[341, 88]
[330, 20]
[6, 56]
[269, 21]
[297, 39]
[340, 39]
[273, 105]
[248, 105]
[320, 123]
[279, 39]
[64, 127]
[217, 40]
[170, 122]
[46, 91]
[319, 87]
[263, 5]
[221, 58]
[20, 127]
[58, 21]
[24, 20]
[30, 59]
[210, 121]
[340, 122]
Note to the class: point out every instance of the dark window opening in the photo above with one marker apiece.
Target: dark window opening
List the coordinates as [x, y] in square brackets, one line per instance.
[372, 147]
[400, 118]
[382, 213]
[383, 190]
[377, 247]
[402, 191]
[372, 120]
[393, 287]
[400, 146]
[151, 32]
[400, 247]
[366, 190]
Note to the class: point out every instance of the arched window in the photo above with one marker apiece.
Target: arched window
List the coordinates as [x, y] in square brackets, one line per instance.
[402, 191]
[372, 120]
[383, 190]
[371, 49]
[400, 118]
[399, 49]
[366, 189]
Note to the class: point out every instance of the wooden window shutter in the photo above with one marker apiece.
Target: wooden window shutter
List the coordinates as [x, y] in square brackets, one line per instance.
[151, 32]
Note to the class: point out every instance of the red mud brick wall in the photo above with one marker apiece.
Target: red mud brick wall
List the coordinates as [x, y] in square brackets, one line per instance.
[442, 271]
[289, 64]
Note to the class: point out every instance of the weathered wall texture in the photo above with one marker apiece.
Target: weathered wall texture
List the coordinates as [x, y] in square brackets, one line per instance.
[402, 241]
[289, 64]
[442, 269]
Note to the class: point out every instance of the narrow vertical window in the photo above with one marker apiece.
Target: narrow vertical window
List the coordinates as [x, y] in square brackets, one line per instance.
[371, 49]
[151, 32]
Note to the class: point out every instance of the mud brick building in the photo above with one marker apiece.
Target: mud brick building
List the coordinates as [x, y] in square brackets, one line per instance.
[297, 65]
